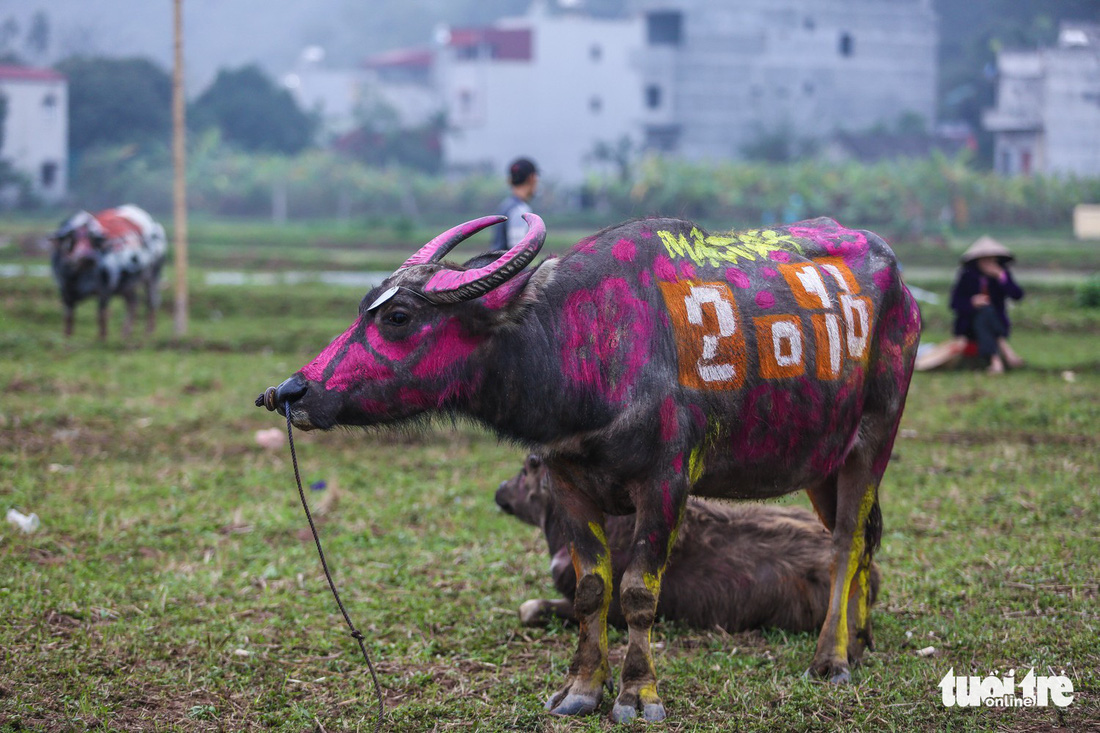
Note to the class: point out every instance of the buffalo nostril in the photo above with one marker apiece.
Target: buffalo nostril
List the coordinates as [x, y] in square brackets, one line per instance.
[291, 390]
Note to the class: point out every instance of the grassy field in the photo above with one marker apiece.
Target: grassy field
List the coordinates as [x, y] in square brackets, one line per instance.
[173, 584]
[382, 244]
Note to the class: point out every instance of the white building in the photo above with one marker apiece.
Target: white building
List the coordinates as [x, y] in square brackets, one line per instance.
[699, 79]
[549, 86]
[36, 127]
[1047, 118]
[719, 74]
[397, 83]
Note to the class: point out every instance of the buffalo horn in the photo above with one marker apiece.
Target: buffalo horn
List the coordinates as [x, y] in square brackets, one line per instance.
[436, 249]
[454, 286]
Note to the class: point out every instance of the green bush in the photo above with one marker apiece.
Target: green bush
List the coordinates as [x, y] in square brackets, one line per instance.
[911, 199]
[1088, 293]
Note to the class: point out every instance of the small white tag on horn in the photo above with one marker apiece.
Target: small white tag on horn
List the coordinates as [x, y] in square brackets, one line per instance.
[383, 298]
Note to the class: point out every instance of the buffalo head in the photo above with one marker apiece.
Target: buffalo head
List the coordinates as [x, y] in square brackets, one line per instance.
[410, 349]
[78, 242]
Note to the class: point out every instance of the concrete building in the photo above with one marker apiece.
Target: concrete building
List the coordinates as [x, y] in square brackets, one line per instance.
[699, 79]
[1047, 116]
[718, 75]
[549, 85]
[36, 127]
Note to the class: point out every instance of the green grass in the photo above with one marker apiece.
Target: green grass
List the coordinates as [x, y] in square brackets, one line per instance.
[173, 585]
[220, 244]
[384, 243]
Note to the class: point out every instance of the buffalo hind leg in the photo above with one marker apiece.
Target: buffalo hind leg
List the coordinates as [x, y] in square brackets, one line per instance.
[152, 301]
[855, 534]
[102, 318]
[69, 313]
[660, 511]
[824, 500]
[590, 670]
[131, 313]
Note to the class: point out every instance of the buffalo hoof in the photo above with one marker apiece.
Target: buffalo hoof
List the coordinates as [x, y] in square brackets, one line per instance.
[572, 704]
[653, 712]
[837, 674]
[629, 704]
[533, 613]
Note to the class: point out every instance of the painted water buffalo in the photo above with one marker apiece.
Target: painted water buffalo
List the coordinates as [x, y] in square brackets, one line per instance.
[733, 566]
[651, 361]
[111, 252]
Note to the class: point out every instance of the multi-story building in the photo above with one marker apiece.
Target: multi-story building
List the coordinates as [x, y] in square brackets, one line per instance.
[700, 79]
[1047, 117]
[551, 86]
[35, 139]
[718, 75]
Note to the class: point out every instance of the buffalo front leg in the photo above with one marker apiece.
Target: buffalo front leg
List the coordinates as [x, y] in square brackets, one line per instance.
[69, 318]
[589, 671]
[131, 314]
[539, 611]
[660, 511]
[152, 302]
[102, 319]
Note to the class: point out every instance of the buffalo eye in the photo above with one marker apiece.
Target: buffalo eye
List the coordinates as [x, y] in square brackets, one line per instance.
[397, 318]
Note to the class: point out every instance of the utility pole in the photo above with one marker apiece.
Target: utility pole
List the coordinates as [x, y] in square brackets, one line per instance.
[179, 167]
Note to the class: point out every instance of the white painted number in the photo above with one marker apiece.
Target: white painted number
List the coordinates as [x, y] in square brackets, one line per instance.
[787, 344]
[727, 326]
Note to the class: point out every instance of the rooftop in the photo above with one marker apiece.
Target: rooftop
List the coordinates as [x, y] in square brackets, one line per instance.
[29, 73]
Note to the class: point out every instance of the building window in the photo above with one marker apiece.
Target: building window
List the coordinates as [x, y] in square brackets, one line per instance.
[664, 27]
[49, 174]
[49, 101]
[595, 105]
[847, 44]
[808, 88]
[664, 138]
[808, 23]
[1025, 162]
[595, 53]
[465, 101]
[652, 96]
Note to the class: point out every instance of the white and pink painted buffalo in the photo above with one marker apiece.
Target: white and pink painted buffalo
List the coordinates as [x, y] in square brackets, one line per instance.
[733, 566]
[653, 361]
[111, 252]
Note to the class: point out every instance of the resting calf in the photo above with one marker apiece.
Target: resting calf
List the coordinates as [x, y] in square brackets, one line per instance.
[734, 566]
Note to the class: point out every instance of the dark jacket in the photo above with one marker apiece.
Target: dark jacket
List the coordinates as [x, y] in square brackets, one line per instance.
[971, 282]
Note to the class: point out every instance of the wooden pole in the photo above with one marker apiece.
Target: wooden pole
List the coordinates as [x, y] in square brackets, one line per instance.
[179, 167]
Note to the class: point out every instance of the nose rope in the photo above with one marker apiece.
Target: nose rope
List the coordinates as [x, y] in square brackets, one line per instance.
[355, 633]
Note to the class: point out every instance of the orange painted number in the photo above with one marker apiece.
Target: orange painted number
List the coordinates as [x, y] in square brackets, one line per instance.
[709, 338]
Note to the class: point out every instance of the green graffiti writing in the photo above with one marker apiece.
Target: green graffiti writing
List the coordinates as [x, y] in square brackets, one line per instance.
[716, 249]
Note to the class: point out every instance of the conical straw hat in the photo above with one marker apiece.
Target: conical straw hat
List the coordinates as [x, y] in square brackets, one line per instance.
[987, 246]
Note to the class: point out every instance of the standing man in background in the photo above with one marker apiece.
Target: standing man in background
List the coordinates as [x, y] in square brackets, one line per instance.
[524, 179]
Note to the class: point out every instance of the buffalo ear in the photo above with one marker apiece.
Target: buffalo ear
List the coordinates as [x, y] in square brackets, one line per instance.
[513, 302]
[481, 260]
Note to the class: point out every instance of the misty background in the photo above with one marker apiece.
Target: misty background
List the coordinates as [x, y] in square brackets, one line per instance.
[273, 33]
[255, 151]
